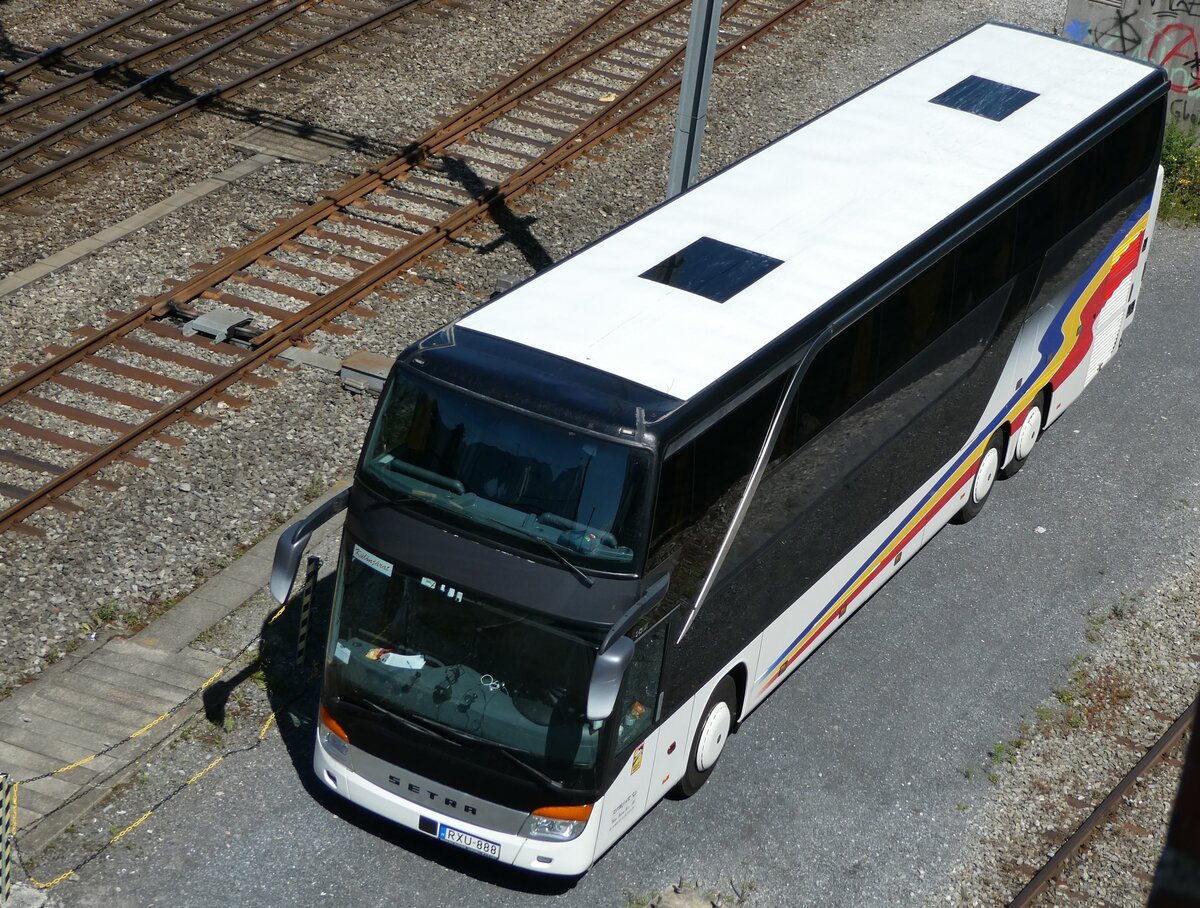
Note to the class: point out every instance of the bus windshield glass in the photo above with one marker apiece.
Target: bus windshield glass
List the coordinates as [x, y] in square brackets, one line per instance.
[520, 481]
[442, 663]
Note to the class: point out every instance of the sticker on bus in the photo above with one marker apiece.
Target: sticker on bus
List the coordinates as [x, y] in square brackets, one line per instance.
[373, 561]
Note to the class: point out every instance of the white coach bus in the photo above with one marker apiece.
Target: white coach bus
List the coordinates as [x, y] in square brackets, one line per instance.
[597, 520]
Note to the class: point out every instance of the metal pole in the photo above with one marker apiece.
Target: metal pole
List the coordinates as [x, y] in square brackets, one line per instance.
[693, 95]
[311, 570]
[8, 833]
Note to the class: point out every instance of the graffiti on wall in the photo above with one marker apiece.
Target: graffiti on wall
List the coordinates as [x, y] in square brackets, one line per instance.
[1161, 31]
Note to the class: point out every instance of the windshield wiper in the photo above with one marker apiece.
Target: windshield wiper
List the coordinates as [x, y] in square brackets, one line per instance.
[550, 783]
[455, 736]
[433, 730]
[565, 561]
[496, 745]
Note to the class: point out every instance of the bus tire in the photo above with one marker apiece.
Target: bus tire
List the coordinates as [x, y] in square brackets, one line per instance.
[1027, 436]
[983, 480]
[715, 725]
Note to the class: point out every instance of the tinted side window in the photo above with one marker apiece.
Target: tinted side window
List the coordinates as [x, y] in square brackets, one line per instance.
[639, 696]
[1087, 184]
[701, 484]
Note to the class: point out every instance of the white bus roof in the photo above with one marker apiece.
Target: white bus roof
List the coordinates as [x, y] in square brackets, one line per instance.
[832, 200]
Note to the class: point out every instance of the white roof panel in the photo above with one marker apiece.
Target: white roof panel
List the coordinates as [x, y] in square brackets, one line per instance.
[832, 200]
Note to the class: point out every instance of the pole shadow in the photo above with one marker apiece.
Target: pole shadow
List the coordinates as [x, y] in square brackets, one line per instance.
[513, 227]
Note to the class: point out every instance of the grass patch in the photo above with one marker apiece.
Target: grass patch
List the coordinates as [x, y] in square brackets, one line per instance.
[1181, 180]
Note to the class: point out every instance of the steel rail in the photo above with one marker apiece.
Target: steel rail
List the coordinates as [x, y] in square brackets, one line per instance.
[1088, 827]
[488, 107]
[77, 159]
[81, 81]
[588, 135]
[143, 88]
[277, 339]
[20, 68]
[353, 190]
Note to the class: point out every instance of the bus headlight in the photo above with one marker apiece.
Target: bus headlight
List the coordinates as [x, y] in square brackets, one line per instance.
[557, 824]
[333, 736]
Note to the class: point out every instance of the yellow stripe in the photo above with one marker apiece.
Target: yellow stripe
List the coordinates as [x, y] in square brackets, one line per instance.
[52, 883]
[202, 773]
[148, 726]
[266, 726]
[74, 765]
[131, 827]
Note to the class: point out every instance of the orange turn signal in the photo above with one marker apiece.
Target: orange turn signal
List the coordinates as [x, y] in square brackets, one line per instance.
[580, 813]
[331, 723]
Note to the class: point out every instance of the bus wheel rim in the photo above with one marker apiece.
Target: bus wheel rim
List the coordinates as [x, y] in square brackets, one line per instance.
[986, 475]
[712, 736]
[1027, 437]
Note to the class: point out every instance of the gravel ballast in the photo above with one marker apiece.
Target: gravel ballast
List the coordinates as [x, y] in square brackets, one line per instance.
[129, 555]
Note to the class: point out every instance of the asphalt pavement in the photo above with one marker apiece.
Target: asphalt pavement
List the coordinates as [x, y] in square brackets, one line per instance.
[848, 785]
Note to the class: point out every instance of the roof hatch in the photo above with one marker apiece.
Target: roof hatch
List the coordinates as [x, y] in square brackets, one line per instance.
[712, 269]
[985, 98]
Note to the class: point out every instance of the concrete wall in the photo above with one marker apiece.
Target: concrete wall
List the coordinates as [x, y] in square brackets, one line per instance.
[1161, 31]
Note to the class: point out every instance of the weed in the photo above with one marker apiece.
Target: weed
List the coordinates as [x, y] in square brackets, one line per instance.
[1065, 697]
[1043, 713]
[1003, 753]
[228, 723]
[968, 772]
[962, 808]
[1181, 180]
[316, 485]
[1074, 718]
[107, 611]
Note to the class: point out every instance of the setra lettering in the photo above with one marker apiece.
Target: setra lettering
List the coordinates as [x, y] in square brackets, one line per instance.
[434, 796]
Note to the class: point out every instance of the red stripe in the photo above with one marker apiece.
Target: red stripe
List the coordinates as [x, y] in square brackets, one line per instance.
[1123, 267]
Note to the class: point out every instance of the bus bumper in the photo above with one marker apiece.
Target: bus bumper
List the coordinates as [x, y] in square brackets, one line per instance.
[559, 858]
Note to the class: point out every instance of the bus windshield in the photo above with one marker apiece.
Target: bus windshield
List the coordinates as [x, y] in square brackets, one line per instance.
[444, 663]
[518, 480]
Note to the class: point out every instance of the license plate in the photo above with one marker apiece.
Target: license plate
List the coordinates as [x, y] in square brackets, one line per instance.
[468, 841]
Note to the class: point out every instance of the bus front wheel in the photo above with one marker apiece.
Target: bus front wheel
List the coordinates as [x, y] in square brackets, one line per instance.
[715, 725]
[983, 480]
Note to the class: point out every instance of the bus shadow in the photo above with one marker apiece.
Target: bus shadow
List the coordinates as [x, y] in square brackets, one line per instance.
[293, 688]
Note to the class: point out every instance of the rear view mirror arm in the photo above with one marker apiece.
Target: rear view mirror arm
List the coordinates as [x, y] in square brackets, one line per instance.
[293, 541]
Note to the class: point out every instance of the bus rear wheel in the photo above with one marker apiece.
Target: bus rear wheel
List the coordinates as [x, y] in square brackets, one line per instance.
[983, 480]
[1027, 436]
[715, 725]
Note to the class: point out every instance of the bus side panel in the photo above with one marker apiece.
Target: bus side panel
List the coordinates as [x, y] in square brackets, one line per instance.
[625, 801]
[1064, 344]
[832, 506]
[1141, 271]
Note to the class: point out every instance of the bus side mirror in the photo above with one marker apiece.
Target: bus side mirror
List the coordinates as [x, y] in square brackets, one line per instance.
[293, 541]
[606, 679]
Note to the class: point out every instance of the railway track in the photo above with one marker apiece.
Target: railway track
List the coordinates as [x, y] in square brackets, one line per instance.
[1042, 882]
[131, 76]
[331, 262]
